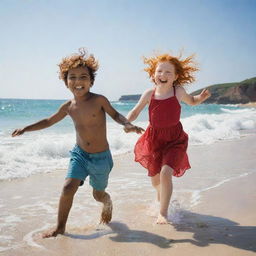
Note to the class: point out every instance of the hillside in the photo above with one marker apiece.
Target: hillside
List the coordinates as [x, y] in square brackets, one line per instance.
[232, 93]
[133, 97]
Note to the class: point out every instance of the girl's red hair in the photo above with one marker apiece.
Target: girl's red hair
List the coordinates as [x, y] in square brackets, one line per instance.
[184, 68]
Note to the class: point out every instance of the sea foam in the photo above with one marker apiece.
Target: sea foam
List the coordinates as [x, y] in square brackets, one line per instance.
[48, 150]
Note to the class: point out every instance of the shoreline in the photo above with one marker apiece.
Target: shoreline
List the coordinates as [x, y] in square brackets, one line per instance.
[118, 156]
[220, 221]
[250, 104]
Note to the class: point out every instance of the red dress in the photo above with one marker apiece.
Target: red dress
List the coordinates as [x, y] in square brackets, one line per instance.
[164, 141]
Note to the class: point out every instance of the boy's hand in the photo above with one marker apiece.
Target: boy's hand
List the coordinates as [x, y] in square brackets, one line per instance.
[205, 94]
[18, 132]
[132, 128]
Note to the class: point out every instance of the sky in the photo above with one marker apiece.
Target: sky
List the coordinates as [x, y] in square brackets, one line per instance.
[37, 34]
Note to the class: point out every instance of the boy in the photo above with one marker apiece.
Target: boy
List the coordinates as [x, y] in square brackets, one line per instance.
[90, 156]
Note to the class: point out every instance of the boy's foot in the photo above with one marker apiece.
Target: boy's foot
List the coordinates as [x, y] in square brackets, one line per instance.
[53, 233]
[161, 219]
[106, 214]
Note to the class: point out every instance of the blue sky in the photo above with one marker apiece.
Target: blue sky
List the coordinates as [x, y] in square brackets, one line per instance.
[37, 34]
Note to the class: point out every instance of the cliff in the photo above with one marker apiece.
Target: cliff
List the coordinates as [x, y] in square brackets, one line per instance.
[134, 97]
[232, 93]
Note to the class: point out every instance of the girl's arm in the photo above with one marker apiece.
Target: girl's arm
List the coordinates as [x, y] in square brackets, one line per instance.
[143, 101]
[193, 100]
[47, 122]
[116, 116]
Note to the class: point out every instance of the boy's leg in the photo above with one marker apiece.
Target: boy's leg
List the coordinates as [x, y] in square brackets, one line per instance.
[165, 193]
[66, 199]
[104, 197]
[155, 180]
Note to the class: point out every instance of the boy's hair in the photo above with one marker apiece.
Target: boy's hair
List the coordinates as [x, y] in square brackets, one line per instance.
[183, 68]
[81, 59]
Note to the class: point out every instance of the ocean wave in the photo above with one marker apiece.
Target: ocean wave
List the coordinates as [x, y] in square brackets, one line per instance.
[235, 111]
[206, 129]
[45, 151]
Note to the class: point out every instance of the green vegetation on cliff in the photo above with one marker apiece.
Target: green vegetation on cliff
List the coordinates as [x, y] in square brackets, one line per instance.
[232, 93]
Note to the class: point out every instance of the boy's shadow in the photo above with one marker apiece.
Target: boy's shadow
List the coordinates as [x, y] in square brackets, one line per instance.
[206, 230]
[209, 229]
[124, 234]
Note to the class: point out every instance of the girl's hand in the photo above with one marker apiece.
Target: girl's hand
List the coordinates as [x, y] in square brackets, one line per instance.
[205, 94]
[132, 128]
[18, 132]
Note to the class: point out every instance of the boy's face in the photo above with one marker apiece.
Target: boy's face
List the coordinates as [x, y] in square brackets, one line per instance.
[165, 74]
[79, 81]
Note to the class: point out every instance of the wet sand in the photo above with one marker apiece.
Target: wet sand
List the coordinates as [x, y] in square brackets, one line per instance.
[211, 214]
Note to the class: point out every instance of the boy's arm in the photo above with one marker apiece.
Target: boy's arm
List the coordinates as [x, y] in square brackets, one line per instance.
[47, 122]
[193, 100]
[144, 99]
[128, 127]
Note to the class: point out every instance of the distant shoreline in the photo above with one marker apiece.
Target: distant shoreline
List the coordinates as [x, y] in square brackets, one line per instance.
[250, 104]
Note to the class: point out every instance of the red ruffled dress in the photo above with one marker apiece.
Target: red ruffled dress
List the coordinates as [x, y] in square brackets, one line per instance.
[164, 141]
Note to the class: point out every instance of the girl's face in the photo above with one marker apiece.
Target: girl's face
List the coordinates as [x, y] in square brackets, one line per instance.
[165, 74]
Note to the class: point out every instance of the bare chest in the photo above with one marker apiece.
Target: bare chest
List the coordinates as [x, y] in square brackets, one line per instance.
[86, 114]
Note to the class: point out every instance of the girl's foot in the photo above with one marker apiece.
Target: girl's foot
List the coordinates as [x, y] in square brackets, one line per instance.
[106, 214]
[161, 219]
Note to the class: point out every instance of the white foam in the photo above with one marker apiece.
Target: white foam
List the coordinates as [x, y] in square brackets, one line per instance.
[209, 128]
[46, 151]
[11, 219]
[236, 111]
[2, 249]
[175, 212]
[3, 237]
[196, 195]
[28, 238]
[16, 197]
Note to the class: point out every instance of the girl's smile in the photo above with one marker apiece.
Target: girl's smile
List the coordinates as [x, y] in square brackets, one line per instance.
[165, 73]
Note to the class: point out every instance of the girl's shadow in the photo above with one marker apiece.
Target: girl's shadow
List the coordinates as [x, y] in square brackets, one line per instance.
[209, 229]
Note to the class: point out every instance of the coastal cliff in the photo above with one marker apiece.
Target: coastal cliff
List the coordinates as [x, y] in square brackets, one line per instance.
[232, 93]
[133, 97]
[229, 93]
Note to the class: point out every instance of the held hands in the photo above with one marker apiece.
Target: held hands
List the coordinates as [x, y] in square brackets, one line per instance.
[132, 128]
[18, 132]
[205, 94]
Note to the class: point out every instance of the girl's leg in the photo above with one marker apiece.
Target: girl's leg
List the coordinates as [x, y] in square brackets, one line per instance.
[104, 197]
[65, 203]
[165, 193]
[155, 180]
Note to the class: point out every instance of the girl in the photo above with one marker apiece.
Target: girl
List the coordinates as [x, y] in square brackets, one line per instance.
[162, 148]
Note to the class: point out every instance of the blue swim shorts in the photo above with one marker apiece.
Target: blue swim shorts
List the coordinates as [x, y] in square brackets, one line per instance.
[95, 165]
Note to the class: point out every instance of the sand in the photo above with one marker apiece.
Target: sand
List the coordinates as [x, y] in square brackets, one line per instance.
[250, 104]
[217, 219]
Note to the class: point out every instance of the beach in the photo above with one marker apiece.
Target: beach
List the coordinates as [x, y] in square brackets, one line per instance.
[212, 211]
[250, 105]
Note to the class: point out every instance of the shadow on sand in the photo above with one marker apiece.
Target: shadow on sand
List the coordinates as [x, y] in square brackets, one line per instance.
[124, 234]
[206, 230]
[209, 229]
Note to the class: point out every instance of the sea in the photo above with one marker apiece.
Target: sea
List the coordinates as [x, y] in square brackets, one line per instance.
[28, 205]
[48, 150]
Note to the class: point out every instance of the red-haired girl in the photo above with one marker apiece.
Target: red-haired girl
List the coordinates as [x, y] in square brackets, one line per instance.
[162, 148]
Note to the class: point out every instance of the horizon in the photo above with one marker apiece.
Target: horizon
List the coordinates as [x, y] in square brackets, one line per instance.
[119, 96]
